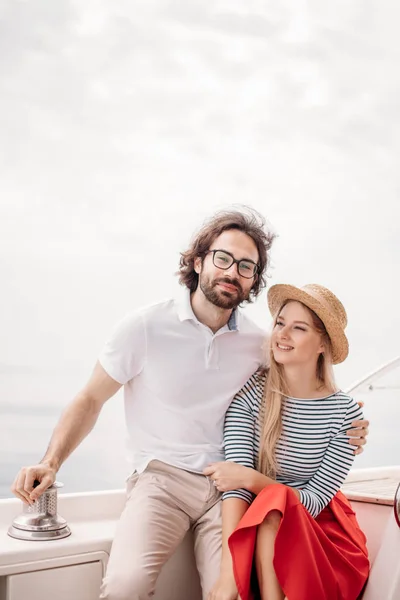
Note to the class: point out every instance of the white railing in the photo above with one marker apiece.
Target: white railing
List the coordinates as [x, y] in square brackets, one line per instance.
[388, 367]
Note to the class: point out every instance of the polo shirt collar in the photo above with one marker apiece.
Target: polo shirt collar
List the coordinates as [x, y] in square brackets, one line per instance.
[184, 307]
[185, 312]
[233, 321]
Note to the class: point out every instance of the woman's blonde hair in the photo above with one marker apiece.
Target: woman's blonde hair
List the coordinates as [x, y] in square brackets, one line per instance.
[276, 390]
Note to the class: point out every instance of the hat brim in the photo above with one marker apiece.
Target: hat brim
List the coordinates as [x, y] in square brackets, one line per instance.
[280, 293]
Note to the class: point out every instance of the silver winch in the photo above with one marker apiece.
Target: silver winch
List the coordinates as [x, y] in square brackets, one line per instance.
[40, 521]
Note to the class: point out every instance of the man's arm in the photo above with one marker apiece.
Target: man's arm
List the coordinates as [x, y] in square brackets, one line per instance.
[74, 425]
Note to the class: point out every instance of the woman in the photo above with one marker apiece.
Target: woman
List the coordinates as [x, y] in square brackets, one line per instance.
[287, 529]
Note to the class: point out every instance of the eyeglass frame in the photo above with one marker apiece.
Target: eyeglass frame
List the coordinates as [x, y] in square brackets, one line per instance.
[235, 261]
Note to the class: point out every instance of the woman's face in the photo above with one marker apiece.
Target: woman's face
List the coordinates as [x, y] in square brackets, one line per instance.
[295, 340]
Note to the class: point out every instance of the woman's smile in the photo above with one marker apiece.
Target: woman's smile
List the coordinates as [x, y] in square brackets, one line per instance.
[283, 347]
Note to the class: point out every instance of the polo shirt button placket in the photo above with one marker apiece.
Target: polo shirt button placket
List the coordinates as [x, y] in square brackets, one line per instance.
[212, 354]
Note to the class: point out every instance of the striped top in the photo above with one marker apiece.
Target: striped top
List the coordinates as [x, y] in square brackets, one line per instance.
[313, 452]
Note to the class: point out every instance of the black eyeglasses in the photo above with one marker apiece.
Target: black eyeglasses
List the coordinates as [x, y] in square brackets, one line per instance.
[224, 260]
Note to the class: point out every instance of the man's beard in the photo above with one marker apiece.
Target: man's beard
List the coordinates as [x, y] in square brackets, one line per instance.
[219, 297]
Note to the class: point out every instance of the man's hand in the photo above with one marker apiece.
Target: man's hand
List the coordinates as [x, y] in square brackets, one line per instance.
[358, 433]
[228, 475]
[224, 589]
[23, 483]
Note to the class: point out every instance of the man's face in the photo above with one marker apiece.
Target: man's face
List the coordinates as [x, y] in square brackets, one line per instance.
[226, 288]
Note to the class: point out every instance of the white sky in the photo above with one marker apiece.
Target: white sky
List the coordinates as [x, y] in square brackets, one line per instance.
[124, 124]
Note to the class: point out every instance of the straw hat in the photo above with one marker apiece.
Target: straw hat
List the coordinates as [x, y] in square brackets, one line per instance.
[325, 304]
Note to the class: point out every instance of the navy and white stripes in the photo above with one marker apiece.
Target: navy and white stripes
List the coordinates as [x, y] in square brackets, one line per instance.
[313, 451]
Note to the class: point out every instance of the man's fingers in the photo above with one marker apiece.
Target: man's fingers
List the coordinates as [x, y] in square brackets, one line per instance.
[29, 481]
[16, 492]
[358, 450]
[357, 441]
[361, 423]
[358, 433]
[21, 497]
[44, 484]
[23, 486]
[20, 487]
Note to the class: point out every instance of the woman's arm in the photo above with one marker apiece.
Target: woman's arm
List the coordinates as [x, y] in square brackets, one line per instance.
[335, 465]
[240, 433]
[256, 482]
[245, 481]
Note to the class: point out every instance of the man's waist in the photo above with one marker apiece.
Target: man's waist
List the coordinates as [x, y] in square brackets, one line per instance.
[193, 461]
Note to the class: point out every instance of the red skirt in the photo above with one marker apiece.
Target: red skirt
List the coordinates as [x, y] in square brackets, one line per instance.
[314, 559]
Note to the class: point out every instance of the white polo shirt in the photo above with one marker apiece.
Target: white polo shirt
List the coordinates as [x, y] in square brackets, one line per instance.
[179, 379]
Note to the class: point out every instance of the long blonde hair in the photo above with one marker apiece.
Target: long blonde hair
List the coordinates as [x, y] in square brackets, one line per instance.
[276, 390]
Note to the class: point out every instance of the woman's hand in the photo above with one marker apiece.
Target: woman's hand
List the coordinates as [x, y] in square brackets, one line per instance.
[224, 589]
[228, 475]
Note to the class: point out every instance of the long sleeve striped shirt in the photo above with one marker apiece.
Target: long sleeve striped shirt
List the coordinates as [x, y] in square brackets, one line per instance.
[313, 452]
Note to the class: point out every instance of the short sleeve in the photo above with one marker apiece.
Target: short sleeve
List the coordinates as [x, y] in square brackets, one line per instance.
[124, 354]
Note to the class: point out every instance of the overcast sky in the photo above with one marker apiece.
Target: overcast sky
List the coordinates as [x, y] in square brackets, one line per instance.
[124, 124]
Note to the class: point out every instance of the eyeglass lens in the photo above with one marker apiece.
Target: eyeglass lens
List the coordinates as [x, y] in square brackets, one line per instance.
[246, 268]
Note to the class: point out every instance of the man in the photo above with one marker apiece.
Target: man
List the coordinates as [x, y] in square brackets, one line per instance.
[181, 364]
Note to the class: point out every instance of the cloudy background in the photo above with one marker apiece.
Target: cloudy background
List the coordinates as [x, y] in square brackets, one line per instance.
[123, 125]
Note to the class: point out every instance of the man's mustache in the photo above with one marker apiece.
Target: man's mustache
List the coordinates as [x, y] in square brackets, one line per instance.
[234, 282]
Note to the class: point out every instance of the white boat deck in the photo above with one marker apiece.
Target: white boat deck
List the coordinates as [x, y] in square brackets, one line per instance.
[372, 485]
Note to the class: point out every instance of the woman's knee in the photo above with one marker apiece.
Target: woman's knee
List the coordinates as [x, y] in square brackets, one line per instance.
[272, 520]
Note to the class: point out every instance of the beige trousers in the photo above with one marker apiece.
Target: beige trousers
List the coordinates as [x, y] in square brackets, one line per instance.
[163, 503]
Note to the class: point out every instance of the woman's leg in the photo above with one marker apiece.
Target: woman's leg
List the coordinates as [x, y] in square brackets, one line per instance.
[264, 555]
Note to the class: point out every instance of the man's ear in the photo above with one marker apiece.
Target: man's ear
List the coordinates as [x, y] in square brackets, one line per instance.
[198, 264]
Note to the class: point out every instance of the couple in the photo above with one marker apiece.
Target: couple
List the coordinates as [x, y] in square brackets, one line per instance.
[183, 364]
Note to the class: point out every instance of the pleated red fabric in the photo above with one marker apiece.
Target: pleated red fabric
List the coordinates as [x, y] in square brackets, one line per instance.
[315, 559]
